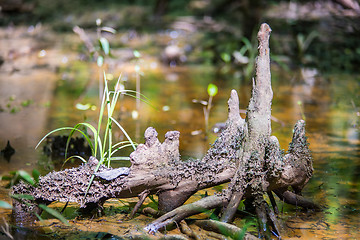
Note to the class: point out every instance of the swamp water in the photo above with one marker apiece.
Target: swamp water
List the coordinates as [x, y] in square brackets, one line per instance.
[41, 81]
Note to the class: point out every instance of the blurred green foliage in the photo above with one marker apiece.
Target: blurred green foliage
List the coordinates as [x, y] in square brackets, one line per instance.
[328, 44]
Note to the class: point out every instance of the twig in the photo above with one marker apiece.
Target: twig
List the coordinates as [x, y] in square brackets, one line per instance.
[6, 229]
[142, 196]
[185, 229]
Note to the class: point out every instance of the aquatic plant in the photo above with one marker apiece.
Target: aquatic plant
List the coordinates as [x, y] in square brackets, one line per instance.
[100, 50]
[15, 176]
[212, 90]
[102, 147]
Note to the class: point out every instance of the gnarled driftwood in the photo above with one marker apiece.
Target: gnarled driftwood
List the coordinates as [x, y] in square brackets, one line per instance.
[245, 154]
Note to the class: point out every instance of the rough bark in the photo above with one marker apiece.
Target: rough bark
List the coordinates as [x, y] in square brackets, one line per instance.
[245, 154]
[258, 123]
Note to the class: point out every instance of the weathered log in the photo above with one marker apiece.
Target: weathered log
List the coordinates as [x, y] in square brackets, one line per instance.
[155, 167]
[261, 165]
[245, 154]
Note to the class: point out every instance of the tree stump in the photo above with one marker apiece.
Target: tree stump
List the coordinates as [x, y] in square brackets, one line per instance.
[245, 154]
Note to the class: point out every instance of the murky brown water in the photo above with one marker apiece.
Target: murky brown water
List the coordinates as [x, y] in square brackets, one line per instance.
[39, 90]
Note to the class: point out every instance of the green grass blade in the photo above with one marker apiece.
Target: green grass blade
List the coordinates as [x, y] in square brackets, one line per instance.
[106, 133]
[54, 213]
[143, 98]
[91, 180]
[132, 93]
[22, 196]
[110, 144]
[119, 148]
[72, 129]
[120, 158]
[38, 216]
[75, 156]
[104, 103]
[101, 114]
[119, 143]
[125, 133]
[25, 176]
[76, 128]
[96, 136]
[53, 131]
[36, 175]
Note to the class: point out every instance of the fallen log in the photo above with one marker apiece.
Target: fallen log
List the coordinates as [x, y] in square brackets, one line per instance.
[245, 154]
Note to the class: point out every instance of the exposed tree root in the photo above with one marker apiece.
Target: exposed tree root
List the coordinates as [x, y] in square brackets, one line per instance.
[184, 211]
[224, 229]
[245, 154]
[296, 200]
[185, 229]
[142, 197]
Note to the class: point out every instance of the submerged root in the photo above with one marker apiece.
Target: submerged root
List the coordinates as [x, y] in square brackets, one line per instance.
[225, 229]
[296, 200]
[267, 219]
[185, 229]
[142, 197]
[184, 211]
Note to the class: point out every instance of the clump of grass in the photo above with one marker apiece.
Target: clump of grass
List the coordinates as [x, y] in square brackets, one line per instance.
[103, 146]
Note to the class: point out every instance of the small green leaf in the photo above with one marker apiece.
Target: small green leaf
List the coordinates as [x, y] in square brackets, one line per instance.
[36, 175]
[100, 61]
[6, 205]
[212, 90]
[6, 178]
[54, 213]
[105, 46]
[24, 175]
[22, 196]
